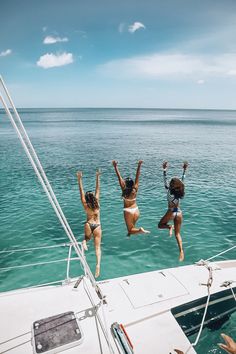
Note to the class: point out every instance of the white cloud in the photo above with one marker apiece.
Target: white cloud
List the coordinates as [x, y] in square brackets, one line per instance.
[200, 82]
[169, 66]
[136, 26]
[44, 28]
[52, 40]
[54, 60]
[232, 72]
[5, 53]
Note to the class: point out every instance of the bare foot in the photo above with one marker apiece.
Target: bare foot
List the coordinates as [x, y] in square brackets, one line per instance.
[97, 272]
[181, 256]
[84, 245]
[143, 231]
[171, 228]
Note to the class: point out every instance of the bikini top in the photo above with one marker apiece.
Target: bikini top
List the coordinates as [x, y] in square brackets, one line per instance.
[129, 200]
[170, 197]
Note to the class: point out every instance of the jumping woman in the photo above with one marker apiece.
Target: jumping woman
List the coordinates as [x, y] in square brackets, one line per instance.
[175, 192]
[129, 193]
[92, 226]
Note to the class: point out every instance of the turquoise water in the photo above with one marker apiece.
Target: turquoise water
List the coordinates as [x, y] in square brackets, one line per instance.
[68, 140]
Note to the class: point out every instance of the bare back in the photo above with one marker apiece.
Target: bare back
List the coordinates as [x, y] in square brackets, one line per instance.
[130, 201]
[93, 216]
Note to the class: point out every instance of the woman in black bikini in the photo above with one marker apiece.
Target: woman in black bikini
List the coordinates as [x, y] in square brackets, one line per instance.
[129, 192]
[92, 226]
[175, 192]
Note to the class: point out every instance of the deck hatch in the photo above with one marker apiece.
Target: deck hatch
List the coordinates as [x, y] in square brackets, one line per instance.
[56, 333]
[151, 288]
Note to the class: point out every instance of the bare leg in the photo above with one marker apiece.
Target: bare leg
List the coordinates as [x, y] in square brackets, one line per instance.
[130, 220]
[177, 222]
[84, 244]
[87, 236]
[163, 223]
[171, 228]
[97, 243]
[140, 230]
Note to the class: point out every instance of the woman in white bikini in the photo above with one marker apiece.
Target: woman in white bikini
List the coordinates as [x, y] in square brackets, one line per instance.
[92, 226]
[129, 192]
[175, 192]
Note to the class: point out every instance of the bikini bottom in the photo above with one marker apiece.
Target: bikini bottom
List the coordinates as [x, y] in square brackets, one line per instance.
[131, 210]
[92, 226]
[175, 212]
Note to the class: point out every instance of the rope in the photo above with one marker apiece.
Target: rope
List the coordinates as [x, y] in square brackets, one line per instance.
[104, 329]
[209, 284]
[38, 263]
[35, 248]
[44, 284]
[37, 286]
[228, 283]
[219, 254]
[232, 290]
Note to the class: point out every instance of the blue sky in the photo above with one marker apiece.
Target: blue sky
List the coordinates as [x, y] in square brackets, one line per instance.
[119, 53]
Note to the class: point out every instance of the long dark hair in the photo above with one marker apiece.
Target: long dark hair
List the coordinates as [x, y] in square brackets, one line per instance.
[129, 185]
[91, 200]
[177, 188]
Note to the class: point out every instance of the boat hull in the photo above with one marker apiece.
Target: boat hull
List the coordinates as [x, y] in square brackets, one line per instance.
[189, 315]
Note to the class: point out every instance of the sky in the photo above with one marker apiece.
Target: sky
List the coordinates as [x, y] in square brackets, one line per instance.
[119, 53]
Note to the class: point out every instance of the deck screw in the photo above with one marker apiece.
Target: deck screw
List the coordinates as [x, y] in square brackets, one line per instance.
[39, 346]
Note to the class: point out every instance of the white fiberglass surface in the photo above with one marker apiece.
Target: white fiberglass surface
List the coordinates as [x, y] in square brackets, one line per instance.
[152, 288]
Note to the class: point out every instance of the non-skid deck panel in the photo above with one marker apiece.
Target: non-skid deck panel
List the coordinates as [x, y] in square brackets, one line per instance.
[56, 333]
[159, 334]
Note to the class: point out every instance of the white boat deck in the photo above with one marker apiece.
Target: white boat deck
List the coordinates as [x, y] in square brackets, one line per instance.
[20, 309]
[140, 302]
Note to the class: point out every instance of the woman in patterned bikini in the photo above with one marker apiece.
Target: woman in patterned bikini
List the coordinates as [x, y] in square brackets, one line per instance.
[175, 192]
[92, 226]
[129, 192]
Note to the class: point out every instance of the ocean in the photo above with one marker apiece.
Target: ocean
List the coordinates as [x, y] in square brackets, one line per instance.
[68, 140]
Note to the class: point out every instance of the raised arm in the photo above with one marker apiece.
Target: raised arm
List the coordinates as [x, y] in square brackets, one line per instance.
[97, 192]
[185, 166]
[120, 179]
[81, 189]
[138, 174]
[165, 166]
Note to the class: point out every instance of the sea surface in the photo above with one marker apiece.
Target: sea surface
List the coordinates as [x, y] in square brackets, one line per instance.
[68, 140]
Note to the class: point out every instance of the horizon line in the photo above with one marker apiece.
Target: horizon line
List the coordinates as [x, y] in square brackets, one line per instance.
[132, 108]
